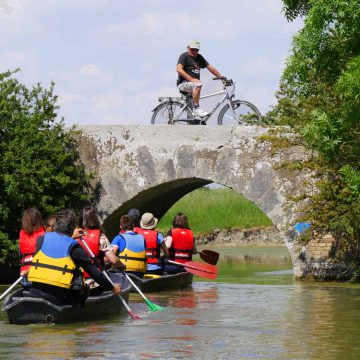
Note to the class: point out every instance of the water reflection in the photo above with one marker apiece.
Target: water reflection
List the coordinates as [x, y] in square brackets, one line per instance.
[224, 320]
[254, 265]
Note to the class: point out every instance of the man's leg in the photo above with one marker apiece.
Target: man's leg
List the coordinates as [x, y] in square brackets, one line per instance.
[195, 90]
[196, 95]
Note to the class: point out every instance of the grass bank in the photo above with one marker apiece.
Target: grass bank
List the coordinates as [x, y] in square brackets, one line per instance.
[209, 209]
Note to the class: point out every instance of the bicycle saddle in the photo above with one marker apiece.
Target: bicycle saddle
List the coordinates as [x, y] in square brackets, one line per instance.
[187, 94]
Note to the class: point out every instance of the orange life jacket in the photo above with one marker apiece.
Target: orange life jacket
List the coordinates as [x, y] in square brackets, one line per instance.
[27, 246]
[182, 245]
[152, 247]
[92, 239]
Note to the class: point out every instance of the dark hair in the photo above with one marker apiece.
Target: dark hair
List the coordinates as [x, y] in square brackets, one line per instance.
[65, 222]
[181, 221]
[126, 222]
[31, 220]
[135, 215]
[89, 218]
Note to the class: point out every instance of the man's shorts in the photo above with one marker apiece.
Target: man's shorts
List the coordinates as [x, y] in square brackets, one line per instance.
[187, 86]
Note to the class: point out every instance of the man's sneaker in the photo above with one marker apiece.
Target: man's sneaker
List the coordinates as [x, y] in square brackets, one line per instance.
[200, 112]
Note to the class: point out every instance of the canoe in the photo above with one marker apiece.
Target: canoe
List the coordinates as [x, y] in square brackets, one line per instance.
[23, 309]
[153, 283]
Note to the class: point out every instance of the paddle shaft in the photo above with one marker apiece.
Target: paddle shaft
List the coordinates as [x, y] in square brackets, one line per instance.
[198, 268]
[132, 314]
[11, 287]
[134, 285]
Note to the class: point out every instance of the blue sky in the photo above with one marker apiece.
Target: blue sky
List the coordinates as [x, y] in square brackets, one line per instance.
[110, 60]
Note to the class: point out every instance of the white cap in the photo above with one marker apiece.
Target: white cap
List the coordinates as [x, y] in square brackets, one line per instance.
[194, 44]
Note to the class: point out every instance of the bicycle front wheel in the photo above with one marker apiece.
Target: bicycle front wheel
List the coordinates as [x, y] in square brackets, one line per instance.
[241, 113]
[165, 112]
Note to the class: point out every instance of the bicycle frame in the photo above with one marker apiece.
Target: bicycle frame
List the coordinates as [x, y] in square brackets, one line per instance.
[225, 97]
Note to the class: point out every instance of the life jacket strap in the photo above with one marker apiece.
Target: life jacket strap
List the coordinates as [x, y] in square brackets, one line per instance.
[64, 269]
[126, 258]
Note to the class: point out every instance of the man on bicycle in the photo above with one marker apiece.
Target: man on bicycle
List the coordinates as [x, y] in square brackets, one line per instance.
[188, 68]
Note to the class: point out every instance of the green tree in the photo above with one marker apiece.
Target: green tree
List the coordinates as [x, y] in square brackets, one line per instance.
[39, 161]
[320, 98]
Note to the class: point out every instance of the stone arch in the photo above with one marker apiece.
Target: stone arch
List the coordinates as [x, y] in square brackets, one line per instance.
[157, 200]
[135, 164]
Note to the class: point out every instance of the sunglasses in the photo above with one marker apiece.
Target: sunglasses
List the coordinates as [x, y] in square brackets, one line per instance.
[192, 49]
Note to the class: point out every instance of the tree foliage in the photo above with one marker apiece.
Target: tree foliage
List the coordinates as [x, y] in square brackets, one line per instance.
[39, 161]
[320, 98]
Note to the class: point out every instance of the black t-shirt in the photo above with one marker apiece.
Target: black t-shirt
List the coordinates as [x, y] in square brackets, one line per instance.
[191, 66]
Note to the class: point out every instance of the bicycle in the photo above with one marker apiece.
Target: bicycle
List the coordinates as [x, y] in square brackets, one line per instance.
[178, 110]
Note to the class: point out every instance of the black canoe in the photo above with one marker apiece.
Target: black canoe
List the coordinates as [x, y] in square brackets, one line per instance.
[163, 282]
[23, 309]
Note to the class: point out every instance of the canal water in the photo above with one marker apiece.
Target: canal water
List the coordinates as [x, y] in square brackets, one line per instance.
[254, 310]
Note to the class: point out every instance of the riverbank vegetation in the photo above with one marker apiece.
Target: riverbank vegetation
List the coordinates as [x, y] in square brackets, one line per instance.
[319, 98]
[39, 162]
[208, 210]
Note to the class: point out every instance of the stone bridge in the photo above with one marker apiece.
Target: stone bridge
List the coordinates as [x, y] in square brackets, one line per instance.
[151, 167]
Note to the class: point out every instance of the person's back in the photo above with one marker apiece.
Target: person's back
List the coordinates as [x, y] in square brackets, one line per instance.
[180, 243]
[55, 272]
[182, 246]
[130, 247]
[154, 242]
[96, 240]
[32, 226]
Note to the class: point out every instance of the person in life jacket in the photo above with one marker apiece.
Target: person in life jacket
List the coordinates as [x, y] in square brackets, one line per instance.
[130, 247]
[56, 272]
[32, 226]
[180, 243]
[154, 242]
[97, 241]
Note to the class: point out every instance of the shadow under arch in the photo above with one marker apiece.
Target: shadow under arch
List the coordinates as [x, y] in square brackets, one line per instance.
[157, 200]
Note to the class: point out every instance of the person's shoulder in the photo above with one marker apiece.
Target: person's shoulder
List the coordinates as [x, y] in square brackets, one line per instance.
[117, 238]
[202, 59]
[183, 56]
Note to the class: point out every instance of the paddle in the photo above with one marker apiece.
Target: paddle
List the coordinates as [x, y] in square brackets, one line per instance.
[11, 287]
[130, 312]
[151, 305]
[211, 257]
[200, 269]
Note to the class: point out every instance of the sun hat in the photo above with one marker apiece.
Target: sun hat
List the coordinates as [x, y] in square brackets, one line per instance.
[148, 221]
[194, 44]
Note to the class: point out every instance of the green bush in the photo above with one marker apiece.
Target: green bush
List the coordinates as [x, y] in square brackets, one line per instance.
[39, 163]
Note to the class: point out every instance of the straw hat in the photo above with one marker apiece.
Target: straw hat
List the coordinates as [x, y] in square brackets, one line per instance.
[148, 221]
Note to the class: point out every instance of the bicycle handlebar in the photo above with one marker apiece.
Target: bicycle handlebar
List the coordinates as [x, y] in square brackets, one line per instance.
[226, 82]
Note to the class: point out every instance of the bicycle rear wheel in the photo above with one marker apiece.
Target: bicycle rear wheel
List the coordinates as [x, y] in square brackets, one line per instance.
[165, 112]
[242, 113]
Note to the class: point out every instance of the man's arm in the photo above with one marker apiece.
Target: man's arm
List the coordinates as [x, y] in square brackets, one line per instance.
[81, 258]
[214, 71]
[164, 249]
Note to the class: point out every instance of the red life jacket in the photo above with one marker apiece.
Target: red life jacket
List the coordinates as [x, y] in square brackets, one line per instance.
[138, 230]
[152, 247]
[92, 239]
[182, 245]
[27, 246]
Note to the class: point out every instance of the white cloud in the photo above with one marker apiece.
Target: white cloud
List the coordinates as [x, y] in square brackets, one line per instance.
[93, 71]
[68, 98]
[165, 24]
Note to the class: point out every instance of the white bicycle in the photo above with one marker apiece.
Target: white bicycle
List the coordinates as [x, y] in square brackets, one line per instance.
[179, 110]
